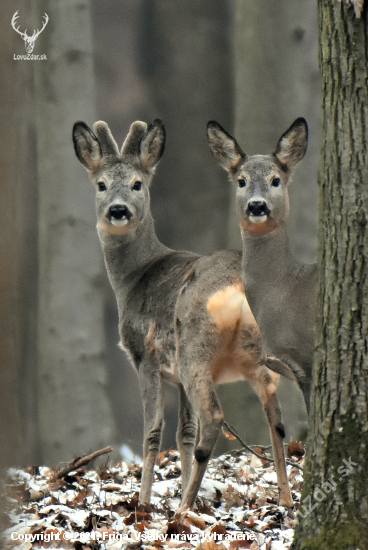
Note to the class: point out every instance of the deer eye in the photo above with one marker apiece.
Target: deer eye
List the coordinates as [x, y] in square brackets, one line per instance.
[242, 182]
[101, 186]
[137, 186]
[275, 182]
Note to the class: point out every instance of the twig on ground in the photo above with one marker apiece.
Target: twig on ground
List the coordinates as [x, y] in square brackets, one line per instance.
[79, 461]
[232, 430]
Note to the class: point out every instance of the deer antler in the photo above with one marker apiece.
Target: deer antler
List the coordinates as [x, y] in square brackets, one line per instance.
[14, 18]
[36, 33]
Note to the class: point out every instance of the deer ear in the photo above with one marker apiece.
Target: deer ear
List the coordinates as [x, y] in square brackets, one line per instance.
[86, 146]
[152, 145]
[292, 145]
[224, 147]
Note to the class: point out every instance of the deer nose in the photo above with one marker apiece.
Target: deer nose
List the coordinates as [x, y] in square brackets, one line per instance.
[258, 208]
[119, 212]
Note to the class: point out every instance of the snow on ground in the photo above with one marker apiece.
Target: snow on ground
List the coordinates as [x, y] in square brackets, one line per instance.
[98, 509]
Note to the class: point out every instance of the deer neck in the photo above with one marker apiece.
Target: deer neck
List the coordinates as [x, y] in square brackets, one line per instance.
[266, 261]
[126, 255]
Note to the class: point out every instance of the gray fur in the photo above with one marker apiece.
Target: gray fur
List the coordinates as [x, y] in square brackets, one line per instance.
[174, 318]
[281, 291]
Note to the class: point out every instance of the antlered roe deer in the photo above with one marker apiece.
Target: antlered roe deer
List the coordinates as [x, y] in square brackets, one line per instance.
[281, 291]
[182, 317]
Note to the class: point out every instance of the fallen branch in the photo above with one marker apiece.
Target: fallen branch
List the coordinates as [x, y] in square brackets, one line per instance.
[232, 430]
[78, 462]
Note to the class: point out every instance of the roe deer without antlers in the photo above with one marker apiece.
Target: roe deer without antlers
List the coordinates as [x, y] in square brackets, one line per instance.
[280, 290]
[182, 317]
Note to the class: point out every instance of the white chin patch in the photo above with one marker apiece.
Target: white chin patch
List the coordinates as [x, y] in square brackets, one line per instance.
[257, 219]
[121, 222]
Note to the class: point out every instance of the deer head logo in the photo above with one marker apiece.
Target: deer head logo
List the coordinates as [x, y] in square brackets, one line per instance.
[29, 40]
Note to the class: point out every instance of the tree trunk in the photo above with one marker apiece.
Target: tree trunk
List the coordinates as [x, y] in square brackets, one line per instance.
[10, 318]
[74, 410]
[187, 62]
[277, 80]
[335, 494]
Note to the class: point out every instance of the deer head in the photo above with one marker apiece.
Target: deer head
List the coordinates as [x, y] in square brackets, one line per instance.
[29, 40]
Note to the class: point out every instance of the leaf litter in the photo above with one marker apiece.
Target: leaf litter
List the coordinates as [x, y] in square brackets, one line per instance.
[237, 507]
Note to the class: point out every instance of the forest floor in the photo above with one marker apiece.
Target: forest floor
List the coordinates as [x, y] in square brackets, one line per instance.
[98, 508]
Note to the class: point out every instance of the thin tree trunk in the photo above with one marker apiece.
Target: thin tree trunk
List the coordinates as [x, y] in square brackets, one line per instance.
[186, 60]
[337, 517]
[188, 65]
[277, 80]
[74, 409]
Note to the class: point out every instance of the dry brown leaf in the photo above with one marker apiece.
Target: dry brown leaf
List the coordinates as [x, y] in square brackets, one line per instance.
[231, 497]
[144, 524]
[132, 504]
[162, 455]
[191, 518]
[80, 496]
[54, 543]
[65, 543]
[219, 529]
[179, 544]
[295, 448]
[240, 544]
[212, 545]
[176, 527]
[255, 458]
[256, 462]
[138, 515]
[228, 434]
[111, 487]
[250, 521]
[205, 509]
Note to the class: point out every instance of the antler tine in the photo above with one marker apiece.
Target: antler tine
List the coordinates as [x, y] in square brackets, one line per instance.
[14, 18]
[37, 32]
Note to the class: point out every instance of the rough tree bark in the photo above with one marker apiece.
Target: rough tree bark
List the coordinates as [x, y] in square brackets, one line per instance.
[335, 494]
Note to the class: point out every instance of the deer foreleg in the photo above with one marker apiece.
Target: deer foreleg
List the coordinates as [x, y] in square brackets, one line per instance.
[152, 396]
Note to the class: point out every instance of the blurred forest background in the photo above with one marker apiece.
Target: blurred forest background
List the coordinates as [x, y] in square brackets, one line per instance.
[66, 388]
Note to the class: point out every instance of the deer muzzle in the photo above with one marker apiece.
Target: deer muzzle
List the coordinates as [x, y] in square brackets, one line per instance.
[258, 210]
[119, 214]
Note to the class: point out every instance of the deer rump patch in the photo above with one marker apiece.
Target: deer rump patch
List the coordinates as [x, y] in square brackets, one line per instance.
[238, 356]
[228, 307]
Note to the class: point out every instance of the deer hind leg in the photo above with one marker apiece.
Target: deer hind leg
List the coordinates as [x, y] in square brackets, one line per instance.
[202, 395]
[265, 383]
[186, 436]
[152, 395]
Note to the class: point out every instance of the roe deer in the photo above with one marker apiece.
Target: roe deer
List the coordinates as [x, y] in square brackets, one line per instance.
[281, 291]
[182, 317]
